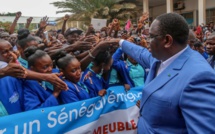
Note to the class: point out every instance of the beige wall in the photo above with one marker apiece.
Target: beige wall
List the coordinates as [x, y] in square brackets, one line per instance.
[156, 11]
[210, 3]
[190, 6]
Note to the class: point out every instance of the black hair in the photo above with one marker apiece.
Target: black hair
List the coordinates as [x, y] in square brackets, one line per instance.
[32, 53]
[174, 25]
[102, 57]
[198, 44]
[63, 59]
[24, 37]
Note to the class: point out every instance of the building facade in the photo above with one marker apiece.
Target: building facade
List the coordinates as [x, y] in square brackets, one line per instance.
[194, 11]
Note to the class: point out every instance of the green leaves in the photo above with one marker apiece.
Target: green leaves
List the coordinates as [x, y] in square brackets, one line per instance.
[80, 6]
[84, 10]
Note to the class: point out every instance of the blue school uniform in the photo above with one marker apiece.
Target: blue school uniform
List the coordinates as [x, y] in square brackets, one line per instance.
[94, 82]
[39, 94]
[113, 78]
[11, 96]
[130, 74]
[76, 92]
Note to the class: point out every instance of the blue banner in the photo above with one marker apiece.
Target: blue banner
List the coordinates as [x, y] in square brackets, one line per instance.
[116, 112]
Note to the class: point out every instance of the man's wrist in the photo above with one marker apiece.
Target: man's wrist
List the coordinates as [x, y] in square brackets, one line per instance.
[120, 43]
[44, 77]
[16, 19]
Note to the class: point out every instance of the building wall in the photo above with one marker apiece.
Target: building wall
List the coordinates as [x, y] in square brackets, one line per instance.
[210, 3]
[191, 6]
[156, 11]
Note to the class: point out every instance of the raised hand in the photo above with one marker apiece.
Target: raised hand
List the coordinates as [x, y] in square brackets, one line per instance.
[90, 29]
[66, 17]
[116, 25]
[144, 16]
[18, 15]
[43, 22]
[29, 20]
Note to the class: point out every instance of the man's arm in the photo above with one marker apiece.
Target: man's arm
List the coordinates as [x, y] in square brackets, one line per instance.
[28, 22]
[14, 70]
[52, 78]
[138, 53]
[12, 27]
[43, 24]
[65, 19]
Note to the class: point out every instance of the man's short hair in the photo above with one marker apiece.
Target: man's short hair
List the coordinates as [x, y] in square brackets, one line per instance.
[174, 25]
[211, 36]
[198, 44]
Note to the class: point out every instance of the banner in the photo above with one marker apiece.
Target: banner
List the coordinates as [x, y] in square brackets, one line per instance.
[115, 113]
[98, 23]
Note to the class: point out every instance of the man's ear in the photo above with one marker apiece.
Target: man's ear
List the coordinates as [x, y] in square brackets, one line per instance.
[168, 41]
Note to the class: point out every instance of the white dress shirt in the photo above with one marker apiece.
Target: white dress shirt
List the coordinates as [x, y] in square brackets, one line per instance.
[166, 63]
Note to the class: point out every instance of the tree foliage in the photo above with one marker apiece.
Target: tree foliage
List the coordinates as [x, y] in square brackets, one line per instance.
[5, 25]
[84, 10]
[8, 14]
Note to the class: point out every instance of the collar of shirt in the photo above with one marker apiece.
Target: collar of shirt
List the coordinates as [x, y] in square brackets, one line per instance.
[166, 63]
[3, 64]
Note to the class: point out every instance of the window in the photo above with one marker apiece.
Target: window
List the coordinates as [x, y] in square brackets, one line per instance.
[210, 15]
[188, 17]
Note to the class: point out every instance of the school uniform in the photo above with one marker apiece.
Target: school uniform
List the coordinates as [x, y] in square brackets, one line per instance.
[11, 96]
[39, 94]
[133, 75]
[76, 92]
[94, 82]
[36, 95]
